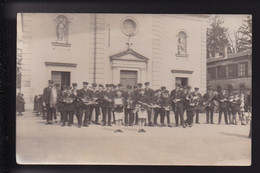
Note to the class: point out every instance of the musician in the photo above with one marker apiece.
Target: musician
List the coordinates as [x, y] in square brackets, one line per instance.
[129, 106]
[177, 96]
[59, 105]
[222, 99]
[119, 104]
[100, 100]
[107, 97]
[96, 95]
[242, 109]
[235, 104]
[74, 90]
[157, 110]
[165, 104]
[229, 107]
[137, 95]
[197, 99]
[163, 89]
[209, 105]
[69, 98]
[142, 105]
[86, 94]
[149, 94]
[189, 106]
[49, 101]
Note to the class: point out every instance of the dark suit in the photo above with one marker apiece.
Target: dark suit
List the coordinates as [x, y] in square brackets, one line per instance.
[149, 94]
[197, 111]
[223, 106]
[178, 107]
[210, 108]
[129, 115]
[107, 106]
[46, 99]
[96, 96]
[81, 107]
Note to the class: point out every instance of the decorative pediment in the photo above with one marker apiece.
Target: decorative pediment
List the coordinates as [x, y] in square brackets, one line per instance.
[129, 55]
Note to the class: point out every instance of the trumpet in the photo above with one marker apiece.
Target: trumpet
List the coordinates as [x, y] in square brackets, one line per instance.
[107, 99]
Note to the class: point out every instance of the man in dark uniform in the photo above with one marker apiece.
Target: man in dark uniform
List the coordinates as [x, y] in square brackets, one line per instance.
[137, 95]
[148, 92]
[59, 106]
[165, 103]
[197, 99]
[209, 98]
[107, 96]
[129, 106]
[47, 102]
[96, 95]
[163, 89]
[82, 108]
[157, 110]
[69, 105]
[177, 97]
[222, 99]
[189, 106]
[74, 90]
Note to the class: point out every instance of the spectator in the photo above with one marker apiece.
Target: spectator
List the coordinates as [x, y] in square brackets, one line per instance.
[37, 106]
[20, 104]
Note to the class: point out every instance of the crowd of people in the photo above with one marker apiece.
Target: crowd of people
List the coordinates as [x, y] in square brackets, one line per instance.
[137, 105]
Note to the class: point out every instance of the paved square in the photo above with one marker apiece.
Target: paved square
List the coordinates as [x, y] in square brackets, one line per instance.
[203, 144]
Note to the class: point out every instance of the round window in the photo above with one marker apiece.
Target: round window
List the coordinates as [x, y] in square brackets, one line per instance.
[129, 26]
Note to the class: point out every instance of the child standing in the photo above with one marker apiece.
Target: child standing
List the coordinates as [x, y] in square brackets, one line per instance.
[118, 110]
[141, 107]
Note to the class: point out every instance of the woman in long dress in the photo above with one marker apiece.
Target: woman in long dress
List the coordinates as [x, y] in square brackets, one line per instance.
[119, 103]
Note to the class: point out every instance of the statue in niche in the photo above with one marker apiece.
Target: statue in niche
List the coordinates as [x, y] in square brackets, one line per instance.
[62, 29]
[182, 43]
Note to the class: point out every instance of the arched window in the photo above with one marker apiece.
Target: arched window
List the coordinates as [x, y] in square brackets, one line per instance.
[62, 29]
[182, 43]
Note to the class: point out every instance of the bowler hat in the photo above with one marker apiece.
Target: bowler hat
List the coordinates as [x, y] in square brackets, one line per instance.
[147, 83]
[50, 81]
[85, 83]
[94, 84]
[74, 84]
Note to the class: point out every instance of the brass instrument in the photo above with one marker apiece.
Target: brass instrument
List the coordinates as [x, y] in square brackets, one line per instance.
[207, 103]
[166, 108]
[68, 100]
[107, 99]
[87, 101]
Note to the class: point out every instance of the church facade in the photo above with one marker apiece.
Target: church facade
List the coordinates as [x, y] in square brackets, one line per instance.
[112, 48]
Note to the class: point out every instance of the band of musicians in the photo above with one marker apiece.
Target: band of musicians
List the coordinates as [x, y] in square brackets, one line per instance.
[140, 105]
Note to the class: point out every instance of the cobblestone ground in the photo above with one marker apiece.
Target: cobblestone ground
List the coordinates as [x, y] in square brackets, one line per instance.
[203, 144]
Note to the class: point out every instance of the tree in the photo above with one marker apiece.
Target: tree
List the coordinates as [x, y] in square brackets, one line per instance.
[216, 37]
[245, 35]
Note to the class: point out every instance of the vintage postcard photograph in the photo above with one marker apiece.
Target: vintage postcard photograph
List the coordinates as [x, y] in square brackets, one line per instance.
[134, 89]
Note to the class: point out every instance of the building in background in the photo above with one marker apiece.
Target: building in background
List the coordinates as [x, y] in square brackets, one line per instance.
[231, 72]
[112, 48]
